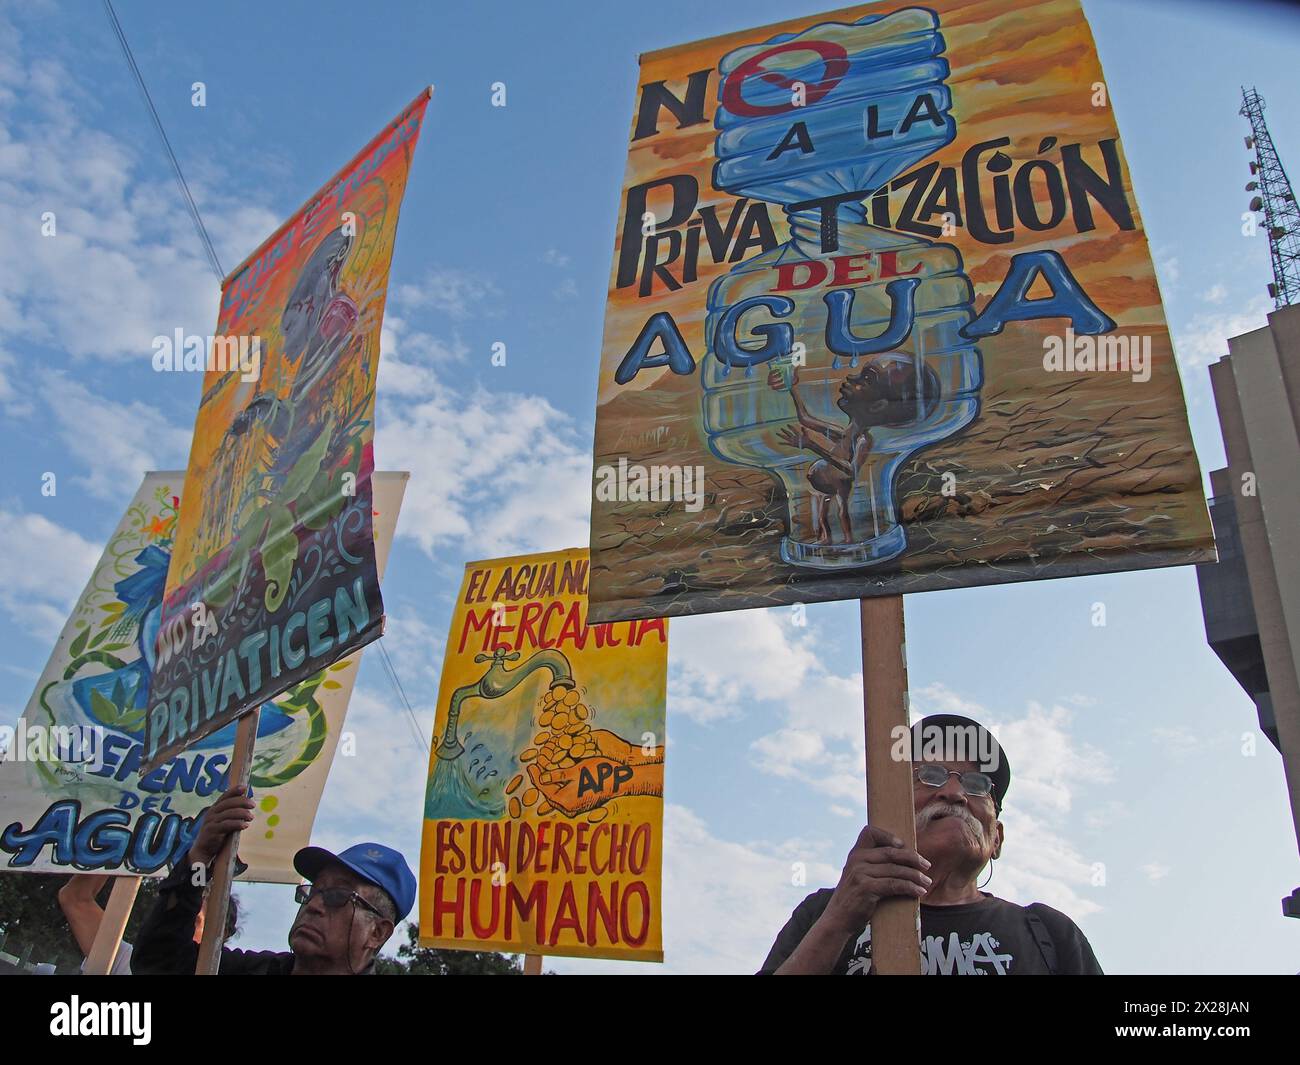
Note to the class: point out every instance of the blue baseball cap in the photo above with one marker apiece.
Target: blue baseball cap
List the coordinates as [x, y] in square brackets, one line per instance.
[373, 862]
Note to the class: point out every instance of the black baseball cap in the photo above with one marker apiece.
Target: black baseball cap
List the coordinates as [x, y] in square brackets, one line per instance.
[956, 738]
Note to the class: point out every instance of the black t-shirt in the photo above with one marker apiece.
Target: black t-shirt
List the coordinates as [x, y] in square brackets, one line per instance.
[989, 937]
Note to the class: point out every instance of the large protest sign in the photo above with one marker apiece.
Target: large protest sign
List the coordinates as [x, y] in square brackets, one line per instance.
[71, 795]
[543, 814]
[273, 576]
[882, 318]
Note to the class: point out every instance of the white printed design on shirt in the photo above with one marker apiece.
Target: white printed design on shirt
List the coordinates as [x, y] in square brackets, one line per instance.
[977, 956]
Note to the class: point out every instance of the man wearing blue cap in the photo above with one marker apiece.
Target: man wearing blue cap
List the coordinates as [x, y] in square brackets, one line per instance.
[347, 912]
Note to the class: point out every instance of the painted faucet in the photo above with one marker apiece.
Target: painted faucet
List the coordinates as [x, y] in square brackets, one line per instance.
[496, 682]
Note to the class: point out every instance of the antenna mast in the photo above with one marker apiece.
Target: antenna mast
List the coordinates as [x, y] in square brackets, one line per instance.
[1276, 199]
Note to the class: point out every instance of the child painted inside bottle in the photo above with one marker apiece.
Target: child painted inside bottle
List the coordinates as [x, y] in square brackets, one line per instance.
[862, 360]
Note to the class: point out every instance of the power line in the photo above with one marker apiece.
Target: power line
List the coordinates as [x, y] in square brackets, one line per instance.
[392, 673]
[176, 166]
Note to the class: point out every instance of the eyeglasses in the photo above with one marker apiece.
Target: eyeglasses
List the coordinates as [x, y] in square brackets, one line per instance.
[335, 898]
[936, 776]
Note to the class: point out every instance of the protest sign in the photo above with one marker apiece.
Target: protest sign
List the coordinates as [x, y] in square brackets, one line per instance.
[882, 318]
[71, 792]
[544, 808]
[273, 572]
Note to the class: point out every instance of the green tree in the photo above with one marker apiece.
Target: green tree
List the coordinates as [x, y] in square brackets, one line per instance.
[415, 960]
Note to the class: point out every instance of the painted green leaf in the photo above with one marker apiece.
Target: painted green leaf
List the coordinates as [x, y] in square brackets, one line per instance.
[79, 644]
[305, 469]
[279, 552]
[104, 710]
[131, 720]
[331, 684]
[322, 501]
[112, 661]
[113, 608]
[249, 536]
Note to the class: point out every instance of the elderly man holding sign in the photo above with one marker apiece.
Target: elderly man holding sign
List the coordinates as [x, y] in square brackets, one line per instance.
[348, 910]
[960, 779]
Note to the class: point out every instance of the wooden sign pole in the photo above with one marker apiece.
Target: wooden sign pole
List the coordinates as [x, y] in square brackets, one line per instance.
[218, 902]
[103, 952]
[532, 965]
[895, 942]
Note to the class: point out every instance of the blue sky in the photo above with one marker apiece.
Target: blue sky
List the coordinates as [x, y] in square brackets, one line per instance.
[1125, 740]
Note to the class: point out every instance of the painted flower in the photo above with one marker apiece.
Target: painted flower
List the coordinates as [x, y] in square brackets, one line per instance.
[143, 590]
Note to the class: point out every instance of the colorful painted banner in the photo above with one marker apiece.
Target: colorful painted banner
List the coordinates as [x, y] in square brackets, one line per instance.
[72, 797]
[543, 817]
[273, 577]
[882, 318]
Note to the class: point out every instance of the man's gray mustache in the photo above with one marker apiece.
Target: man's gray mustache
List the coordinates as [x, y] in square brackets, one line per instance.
[951, 809]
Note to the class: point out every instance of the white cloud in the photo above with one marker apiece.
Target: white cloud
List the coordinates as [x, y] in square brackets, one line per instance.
[415, 647]
[1204, 339]
[1216, 293]
[459, 294]
[566, 290]
[43, 568]
[354, 805]
[1048, 764]
[1155, 871]
[1040, 864]
[1101, 815]
[1178, 741]
[12, 400]
[821, 742]
[123, 263]
[1168, 272]
[500, 473]
[410, 358]
[709, 682]
[554, 257]
[801, 754]
[118, 442]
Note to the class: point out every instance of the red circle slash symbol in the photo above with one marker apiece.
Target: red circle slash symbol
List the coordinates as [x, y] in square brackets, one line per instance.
[834, 57]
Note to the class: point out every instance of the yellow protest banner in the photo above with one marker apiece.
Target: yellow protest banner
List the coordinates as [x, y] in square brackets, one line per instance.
[543, 817]
[272, 577]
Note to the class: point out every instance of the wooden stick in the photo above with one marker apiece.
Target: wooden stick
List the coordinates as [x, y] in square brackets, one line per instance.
[121, 900]
[532, 965]
[218, 902]
[895, 943]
